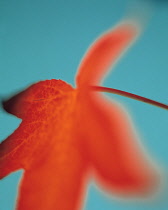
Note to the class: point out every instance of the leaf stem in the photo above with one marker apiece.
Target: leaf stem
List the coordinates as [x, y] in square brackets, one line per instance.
[130, 95]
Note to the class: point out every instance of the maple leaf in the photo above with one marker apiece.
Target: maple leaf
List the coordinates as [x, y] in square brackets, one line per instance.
[70, 134]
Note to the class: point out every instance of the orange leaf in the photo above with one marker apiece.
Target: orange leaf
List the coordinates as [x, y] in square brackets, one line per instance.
[66, 133]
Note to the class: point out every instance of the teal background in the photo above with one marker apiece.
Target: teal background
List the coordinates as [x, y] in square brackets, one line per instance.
[45, 39]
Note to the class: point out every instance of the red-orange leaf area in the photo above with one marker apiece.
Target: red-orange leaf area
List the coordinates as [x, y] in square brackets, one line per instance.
[68, 135]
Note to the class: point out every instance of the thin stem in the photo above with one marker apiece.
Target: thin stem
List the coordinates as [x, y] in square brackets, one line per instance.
[130, 95]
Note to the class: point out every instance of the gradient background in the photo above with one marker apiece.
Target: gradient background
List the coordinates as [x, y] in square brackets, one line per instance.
[45, 39]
